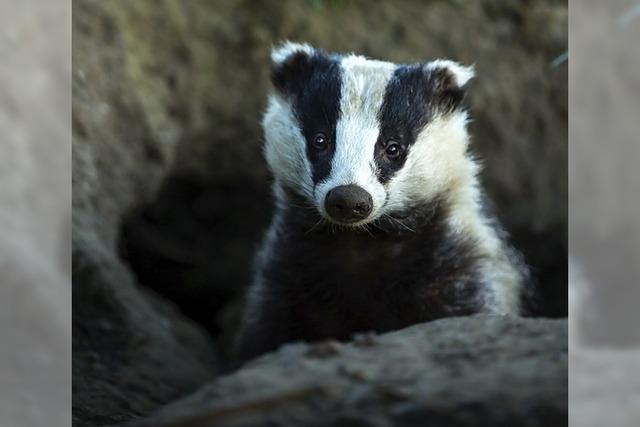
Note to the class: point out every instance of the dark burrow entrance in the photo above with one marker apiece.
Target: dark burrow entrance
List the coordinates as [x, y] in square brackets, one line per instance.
[194, 245]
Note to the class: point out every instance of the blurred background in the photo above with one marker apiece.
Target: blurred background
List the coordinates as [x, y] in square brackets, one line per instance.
[35, 209]
[604, 207]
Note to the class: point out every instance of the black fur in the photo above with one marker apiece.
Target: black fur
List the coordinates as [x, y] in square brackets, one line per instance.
[313, 82]
[412, 97]
[328, 283]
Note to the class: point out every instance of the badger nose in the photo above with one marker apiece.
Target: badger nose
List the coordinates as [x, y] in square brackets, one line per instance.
[348, 203]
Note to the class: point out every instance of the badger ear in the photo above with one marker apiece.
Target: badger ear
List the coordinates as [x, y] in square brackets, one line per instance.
[280, 53]
[450, 81]
[291, 64]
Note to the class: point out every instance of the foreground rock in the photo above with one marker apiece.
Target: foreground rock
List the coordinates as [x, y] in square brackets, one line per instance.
[480, 370]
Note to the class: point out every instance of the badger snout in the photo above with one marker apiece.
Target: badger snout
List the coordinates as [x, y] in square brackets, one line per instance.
[348, 203]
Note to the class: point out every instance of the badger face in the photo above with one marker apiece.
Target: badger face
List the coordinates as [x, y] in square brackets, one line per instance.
[361, 139]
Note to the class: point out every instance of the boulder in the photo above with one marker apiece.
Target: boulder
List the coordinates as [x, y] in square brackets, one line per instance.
[480, 370]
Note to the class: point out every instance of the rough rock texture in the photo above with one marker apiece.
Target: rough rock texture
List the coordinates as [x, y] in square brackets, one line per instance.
[474, 371]
[132, 351]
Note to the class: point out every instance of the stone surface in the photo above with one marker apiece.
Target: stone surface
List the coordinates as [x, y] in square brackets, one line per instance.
[479, 370]
[132, 350]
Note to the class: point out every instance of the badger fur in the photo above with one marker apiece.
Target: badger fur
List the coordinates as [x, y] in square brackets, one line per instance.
[380, 221]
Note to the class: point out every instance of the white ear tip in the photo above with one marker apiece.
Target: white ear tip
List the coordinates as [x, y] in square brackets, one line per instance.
[285, 49]
[461, 73]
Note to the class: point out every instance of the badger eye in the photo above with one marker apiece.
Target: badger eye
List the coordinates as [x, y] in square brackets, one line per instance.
[393, 150]
[319, 141]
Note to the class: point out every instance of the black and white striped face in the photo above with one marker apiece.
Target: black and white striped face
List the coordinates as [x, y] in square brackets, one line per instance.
[361, 138]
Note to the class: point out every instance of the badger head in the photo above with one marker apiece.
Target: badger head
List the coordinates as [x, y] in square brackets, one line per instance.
[361, 139]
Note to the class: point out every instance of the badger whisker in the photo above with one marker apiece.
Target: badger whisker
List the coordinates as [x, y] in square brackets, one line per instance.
[320, 221]
[397, 221]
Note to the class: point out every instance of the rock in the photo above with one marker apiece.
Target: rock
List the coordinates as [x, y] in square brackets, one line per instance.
[480, 370]
[132, 350]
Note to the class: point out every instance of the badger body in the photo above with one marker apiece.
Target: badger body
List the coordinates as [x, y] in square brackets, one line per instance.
[379, 220]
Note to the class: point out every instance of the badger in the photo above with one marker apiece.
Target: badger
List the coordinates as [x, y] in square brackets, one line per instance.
[380, 221]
